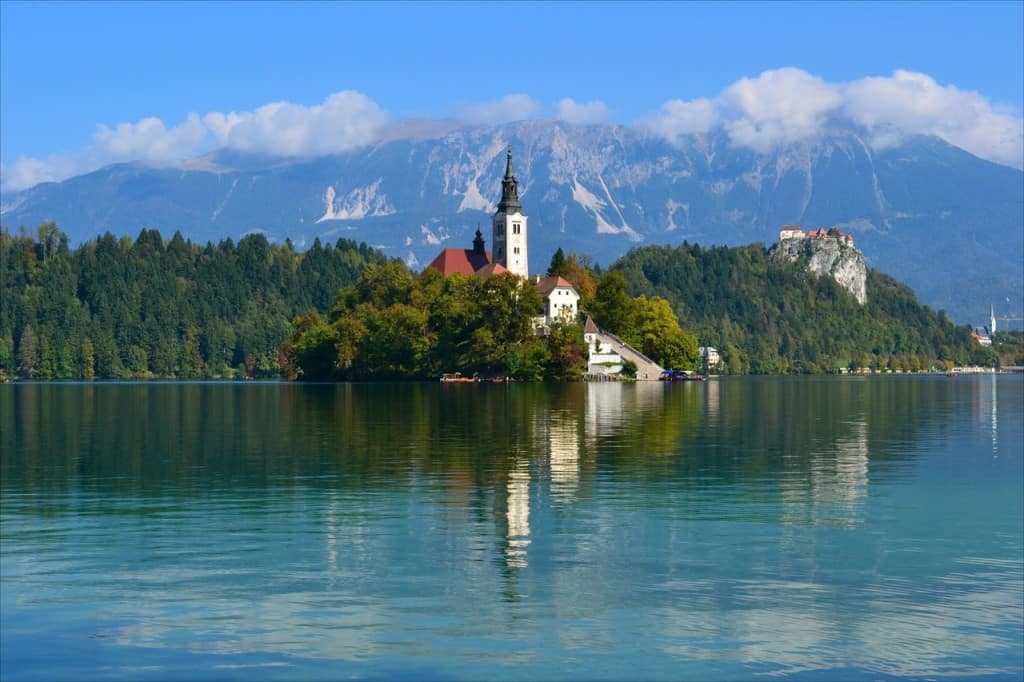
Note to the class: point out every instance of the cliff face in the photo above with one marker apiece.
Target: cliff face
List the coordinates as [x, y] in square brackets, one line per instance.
[829, 256]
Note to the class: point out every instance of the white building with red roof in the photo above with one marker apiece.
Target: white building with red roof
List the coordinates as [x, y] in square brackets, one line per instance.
[561, 300]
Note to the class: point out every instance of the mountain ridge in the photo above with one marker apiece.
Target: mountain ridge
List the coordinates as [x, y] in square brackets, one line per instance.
[920, 210]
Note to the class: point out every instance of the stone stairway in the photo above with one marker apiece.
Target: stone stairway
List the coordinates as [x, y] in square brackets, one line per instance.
[646, 369]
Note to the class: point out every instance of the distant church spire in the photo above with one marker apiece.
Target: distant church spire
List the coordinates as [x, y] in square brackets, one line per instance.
[509, 189]
[478, 243]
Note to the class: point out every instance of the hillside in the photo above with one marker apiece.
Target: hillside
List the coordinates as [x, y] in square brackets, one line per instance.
[149, 307]
[770, 315]
[938, 218]
[116, 308]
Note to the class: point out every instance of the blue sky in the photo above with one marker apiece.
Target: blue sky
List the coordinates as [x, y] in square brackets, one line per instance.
[66, 68]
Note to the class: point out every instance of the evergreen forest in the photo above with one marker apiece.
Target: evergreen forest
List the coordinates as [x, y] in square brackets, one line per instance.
[150, 307]
[123, 308]
[770, 316]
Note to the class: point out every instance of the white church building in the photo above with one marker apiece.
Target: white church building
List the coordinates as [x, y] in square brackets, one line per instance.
[509, 238]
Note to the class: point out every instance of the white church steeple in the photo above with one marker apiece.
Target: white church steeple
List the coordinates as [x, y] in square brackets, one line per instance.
[509, 224]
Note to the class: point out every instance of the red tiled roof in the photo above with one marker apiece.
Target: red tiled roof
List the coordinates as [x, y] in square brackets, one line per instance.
[491, 269]
[462, 261]
[548, 284]
[589, 327]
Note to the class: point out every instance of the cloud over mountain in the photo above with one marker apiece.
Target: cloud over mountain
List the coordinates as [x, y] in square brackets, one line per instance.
[789, 104]
[776, 107]
[508, 108]
[343, 121]
[574, 112]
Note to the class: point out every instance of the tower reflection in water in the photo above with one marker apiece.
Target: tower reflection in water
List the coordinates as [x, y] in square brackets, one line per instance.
[517, 514]
[563, 446]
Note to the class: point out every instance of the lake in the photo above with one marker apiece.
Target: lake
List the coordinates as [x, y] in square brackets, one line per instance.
[808, 528]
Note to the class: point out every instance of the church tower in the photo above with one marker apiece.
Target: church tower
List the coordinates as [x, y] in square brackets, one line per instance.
[509, 236]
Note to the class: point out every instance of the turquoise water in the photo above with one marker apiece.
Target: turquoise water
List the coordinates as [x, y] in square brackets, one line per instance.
[809, 528]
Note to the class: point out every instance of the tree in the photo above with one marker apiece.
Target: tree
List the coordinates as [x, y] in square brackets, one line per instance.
[8, 364]
[579, 273]
[28, 353]
[566, 352]
[557, 265]
[612, 306]
[658, 334]
[310, 348]
[88, 359]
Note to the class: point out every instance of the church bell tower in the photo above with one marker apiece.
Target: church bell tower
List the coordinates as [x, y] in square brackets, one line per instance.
[509, 237]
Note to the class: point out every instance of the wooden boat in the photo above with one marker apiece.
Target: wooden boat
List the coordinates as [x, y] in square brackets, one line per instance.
[457, 378]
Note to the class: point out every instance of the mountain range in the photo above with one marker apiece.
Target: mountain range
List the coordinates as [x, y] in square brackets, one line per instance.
[948, 223]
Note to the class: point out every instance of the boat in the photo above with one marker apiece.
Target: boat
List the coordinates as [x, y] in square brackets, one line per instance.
[680, 375]
[457, 378]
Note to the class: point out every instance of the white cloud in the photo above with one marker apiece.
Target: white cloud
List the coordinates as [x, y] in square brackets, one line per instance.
[678, 118]
[789, 104]
[777, 107]
[508, 108]
[573, 112]
[344, 120]
[148, 140]
[908, 103]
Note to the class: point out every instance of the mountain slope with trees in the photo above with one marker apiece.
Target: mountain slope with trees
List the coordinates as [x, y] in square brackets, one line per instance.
[121, 308]
[118, 308]
[767, 315]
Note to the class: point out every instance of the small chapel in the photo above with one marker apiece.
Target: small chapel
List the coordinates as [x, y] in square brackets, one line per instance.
[510, 254]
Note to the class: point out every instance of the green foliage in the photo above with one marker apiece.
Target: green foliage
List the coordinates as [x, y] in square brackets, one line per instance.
[1009, 348]
[122, 308]
[582, 276]
[648, 324]
[557, 266]
[392, 325]
[767, 316]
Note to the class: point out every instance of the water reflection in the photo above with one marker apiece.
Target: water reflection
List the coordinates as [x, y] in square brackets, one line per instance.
[564, 455]
[836, 528]
[518, 515]
[839, 480]
[995, 416]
